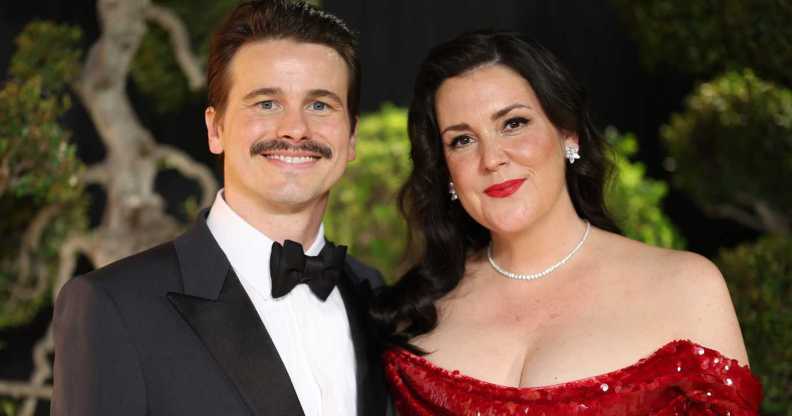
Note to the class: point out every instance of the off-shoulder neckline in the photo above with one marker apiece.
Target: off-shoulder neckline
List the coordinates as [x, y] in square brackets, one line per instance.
[591, 380]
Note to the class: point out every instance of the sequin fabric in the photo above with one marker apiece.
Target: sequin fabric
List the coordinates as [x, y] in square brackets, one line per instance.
[681, 378]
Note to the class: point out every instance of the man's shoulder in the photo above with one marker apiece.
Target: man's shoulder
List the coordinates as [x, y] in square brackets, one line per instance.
[365, 272]
[147, 268]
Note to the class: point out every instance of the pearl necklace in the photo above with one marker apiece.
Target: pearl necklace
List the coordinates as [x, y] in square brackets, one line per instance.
[545, 272]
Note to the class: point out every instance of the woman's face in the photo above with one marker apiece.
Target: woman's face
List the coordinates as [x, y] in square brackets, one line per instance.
[505, 157]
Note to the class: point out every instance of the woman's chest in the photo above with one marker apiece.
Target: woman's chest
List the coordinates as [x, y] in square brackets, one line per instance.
[530, 351]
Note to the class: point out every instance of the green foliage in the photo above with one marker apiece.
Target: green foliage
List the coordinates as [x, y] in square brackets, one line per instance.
[156, 73]
[35, 156]
[733, 142]
[636, 201]
[202, 18]
[47, 51]
[760, 279]
[7, 406]
[362, 212]
[191, 208]
[154, 68]
[38, 166]
[706, 37]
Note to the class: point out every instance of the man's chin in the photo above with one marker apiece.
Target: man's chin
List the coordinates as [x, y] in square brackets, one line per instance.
[295, 199]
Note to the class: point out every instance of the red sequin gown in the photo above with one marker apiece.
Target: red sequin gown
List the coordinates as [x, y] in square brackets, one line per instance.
[681, 378]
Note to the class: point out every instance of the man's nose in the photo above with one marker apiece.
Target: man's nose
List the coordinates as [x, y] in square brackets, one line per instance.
[293, 125]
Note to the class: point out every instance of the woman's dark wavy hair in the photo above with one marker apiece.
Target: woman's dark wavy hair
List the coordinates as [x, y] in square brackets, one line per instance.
[442, 234]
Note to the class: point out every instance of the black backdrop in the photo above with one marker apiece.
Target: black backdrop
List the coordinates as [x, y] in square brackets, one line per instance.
[587, 35]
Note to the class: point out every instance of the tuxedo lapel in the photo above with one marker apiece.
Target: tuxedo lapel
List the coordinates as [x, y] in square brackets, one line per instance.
[356, 291]
[217, 308]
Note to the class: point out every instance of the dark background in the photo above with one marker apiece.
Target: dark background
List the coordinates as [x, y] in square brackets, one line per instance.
[587, 35]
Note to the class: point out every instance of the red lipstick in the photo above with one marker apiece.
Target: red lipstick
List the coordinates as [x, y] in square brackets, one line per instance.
[504, 189]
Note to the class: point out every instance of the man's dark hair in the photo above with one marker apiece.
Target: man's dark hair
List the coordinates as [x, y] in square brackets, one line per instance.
[273, 20]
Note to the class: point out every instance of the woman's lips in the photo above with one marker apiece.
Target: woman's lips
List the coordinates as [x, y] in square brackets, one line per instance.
[504, 189]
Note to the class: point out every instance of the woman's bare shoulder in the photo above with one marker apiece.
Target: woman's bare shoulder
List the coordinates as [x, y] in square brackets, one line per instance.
[684, 292]
[656, 263]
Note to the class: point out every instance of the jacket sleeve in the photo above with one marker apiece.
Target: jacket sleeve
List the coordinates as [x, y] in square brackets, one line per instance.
[97, 369]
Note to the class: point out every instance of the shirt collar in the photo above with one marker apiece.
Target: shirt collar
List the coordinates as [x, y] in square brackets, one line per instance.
[248, 249]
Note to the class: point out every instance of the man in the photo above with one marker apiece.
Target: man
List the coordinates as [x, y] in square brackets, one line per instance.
[232, 318]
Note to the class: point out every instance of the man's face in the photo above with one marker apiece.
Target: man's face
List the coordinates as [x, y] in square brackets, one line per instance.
[285, 131]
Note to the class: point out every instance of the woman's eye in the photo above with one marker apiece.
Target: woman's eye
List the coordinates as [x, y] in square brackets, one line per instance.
[514, 123]
[460, 141]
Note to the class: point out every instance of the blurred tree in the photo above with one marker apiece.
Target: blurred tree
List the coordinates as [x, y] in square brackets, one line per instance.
[634, 200]
[48, 174]
[760, 280]
[41, 198]
[157, 66]
[731, 149]
[362, 211]
[705, 37]
[732, 146]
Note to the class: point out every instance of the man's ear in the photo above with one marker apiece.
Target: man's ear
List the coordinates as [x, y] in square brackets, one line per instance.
[214, 129]
[353, 141]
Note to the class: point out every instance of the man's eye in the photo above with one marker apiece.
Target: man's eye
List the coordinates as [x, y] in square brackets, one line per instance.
[318, 106]
[514, 123]
[266, 105]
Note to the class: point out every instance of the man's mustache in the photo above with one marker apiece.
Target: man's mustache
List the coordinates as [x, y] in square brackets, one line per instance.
[310, 146]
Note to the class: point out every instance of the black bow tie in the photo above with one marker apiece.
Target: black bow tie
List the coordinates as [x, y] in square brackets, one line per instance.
[289, 266]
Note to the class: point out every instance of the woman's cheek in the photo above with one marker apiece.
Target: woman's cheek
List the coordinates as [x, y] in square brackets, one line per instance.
[457, 165]
[526, 148]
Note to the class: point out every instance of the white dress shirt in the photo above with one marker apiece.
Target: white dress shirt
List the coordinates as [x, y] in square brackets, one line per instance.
[312, 337]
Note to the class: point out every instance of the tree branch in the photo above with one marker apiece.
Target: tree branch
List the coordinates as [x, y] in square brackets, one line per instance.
[42, 371]
[30, 242]
[773, 221]
[178, 160]
[101, 85]
[738, 215]
[35, 389]
[5, 174]
[180, 41]
[754, 213]
[96, 174]
[75, 244]
[18, 390]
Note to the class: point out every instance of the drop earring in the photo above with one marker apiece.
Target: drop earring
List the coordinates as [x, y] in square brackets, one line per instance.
[452, 191]
[572, 153]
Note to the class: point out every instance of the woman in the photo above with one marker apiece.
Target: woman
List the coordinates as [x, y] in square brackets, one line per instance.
[524, 299]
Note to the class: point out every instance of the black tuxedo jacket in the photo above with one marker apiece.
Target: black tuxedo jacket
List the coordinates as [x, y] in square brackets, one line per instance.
[171, 331]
